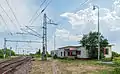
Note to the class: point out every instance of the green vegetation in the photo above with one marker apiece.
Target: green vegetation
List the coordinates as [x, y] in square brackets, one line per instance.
[115, 54]
[38, 54]
[85, 62]
[114, 68]
[115, 57]
[116, 60]
[114, 71]
[90, 41]
[106, 59]
[108, 70]
[102, 72]
[7, 53]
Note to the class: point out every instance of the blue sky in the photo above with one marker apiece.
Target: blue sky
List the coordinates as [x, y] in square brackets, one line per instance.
[73, 21]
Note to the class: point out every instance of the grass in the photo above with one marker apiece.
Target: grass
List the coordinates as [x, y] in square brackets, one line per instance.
[90, 62]
[116, 70]
[102, 72]
[110, 68]
[68, 66]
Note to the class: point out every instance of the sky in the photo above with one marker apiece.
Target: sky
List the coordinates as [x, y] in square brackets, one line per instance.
[74, 18]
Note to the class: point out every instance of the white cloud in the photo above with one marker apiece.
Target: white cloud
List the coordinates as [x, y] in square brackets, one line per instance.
[67, 36]
[87, 18]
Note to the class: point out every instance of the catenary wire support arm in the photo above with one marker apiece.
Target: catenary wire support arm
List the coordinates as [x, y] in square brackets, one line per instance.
[29, 33]
[22, 41]
[32, 30]
[6, 40]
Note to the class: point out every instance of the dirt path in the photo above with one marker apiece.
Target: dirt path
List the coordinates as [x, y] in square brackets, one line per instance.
[41, 67]
[45, 67]
[57, 67]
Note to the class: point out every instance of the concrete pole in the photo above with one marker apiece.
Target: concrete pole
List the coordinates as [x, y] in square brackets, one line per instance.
[4, 55]
[16, 46]
[94, 7]
[54, 41]
[10, 51]
[98, 36]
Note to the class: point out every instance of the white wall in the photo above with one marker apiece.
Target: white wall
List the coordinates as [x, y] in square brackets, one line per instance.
[59, 53]
[84, 53]
[109, 55]
[53, 52]
[66, 53]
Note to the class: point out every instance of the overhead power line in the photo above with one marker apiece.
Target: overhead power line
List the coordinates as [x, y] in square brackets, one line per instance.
[82, 4]
[5, 23]
[33, 30]
[30, 33]
[86, 1]
[41, 12]
[37, 10]
[8, 16]
[12, 12]
[23, 41]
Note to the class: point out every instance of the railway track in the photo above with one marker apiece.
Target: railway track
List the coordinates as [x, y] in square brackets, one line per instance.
[13, 65]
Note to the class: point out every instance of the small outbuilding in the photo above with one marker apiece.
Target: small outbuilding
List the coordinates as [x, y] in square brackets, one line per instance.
[78, 52]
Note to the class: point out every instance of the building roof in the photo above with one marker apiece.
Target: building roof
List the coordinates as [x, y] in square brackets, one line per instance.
[69, 47]
[77, 46]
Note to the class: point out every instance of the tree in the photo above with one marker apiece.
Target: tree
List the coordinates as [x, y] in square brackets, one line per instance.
[38, 52]
[7, 52]
[115, 54]
[90, 41]
[48, 55]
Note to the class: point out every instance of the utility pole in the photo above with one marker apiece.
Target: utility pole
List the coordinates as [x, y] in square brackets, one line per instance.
[94, 7]
[44, 47]
[10, 51]
[23, 52]
[44, 37]
[54, 41]
[16, 46]
[4, 55]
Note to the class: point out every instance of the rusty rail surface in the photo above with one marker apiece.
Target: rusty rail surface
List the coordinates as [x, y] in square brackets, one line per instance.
[10, 66]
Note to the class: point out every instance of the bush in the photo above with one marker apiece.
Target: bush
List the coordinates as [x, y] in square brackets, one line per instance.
[37, 56]
[49, 55]
[7, 51]
[116, 60]
[116, 71]
[107, 59]
[55, 56]
[115, 54]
